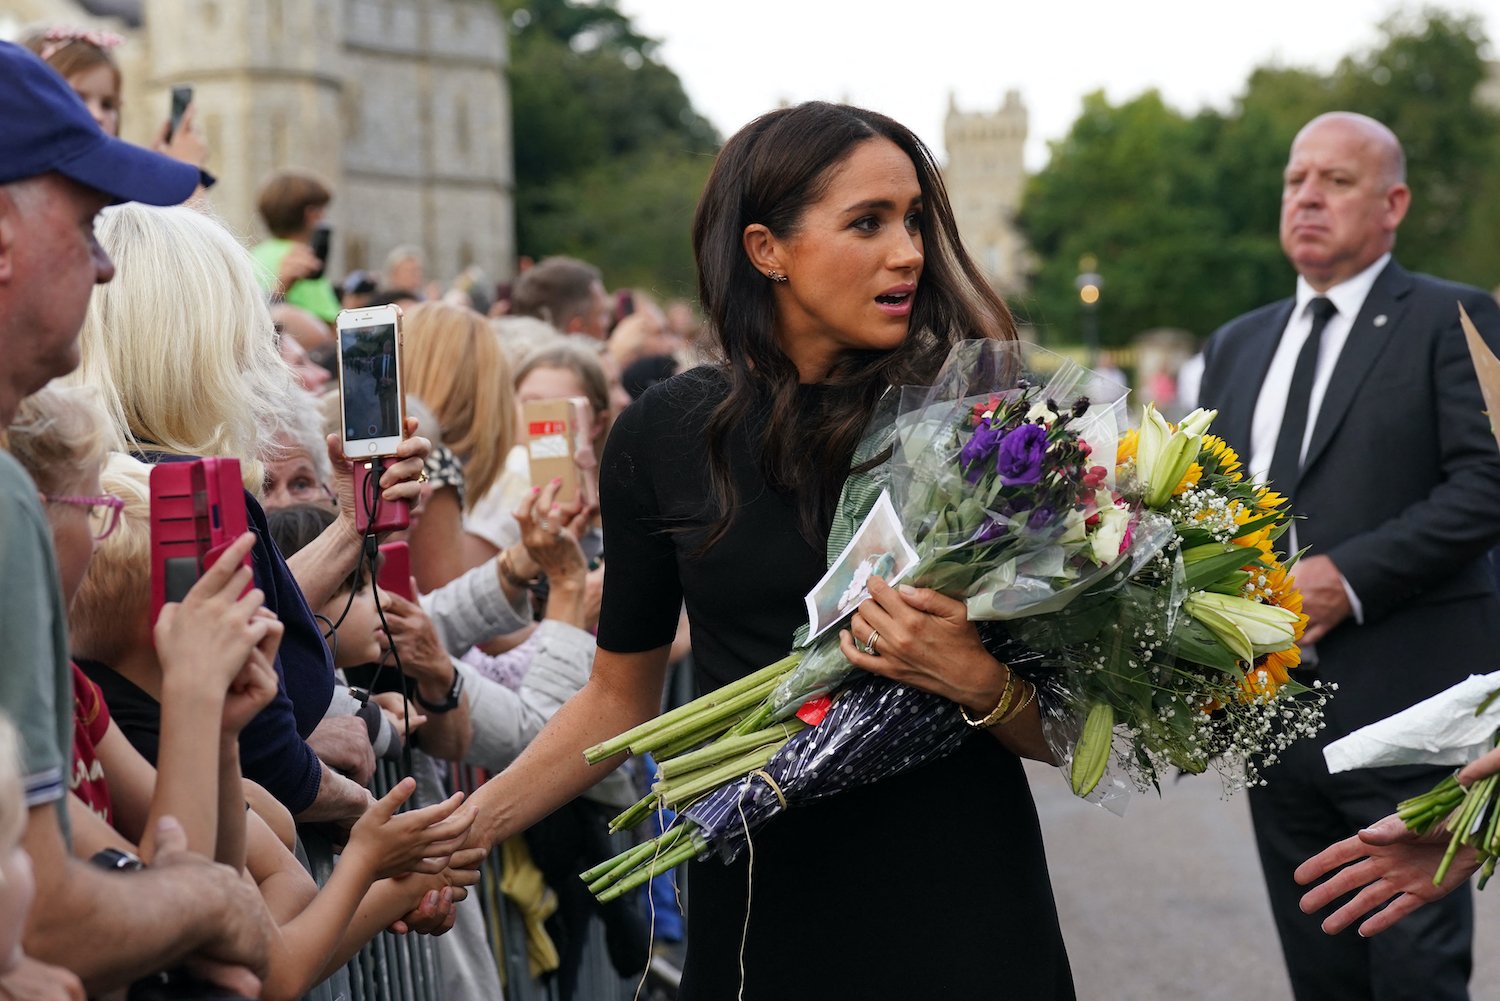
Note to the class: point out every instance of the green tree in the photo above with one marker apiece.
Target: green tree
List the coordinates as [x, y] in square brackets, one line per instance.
[1182, 211]
[605, 137]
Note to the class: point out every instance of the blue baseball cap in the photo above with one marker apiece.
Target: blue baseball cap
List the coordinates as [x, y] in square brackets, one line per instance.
[44, 127]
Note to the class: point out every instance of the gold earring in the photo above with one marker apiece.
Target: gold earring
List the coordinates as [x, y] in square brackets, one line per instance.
[776, 276]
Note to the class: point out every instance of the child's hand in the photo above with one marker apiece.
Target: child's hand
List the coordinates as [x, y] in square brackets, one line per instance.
[210, 633]
[255, 686]
[404, 717]
[391, 844]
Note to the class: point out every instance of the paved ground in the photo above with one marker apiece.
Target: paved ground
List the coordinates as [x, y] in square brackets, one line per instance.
[1166, 903]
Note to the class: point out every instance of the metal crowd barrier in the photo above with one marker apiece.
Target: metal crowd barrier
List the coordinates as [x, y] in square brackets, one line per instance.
[406, 967]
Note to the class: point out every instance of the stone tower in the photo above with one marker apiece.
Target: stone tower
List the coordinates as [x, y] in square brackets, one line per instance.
[985, 177]
[402, 106]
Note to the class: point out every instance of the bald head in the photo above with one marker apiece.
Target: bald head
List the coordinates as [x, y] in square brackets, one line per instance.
[1343, 196]
[1380, 142]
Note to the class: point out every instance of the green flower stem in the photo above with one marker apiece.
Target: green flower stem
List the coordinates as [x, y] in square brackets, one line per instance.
[634, 814]
[728, 747]
[681, 852]
[708, 779]
[607, 872]
[704, 705]
[701, 727]
[678, 747]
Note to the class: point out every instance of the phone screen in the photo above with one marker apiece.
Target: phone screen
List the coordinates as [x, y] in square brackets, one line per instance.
[371, 382]
[182, 96]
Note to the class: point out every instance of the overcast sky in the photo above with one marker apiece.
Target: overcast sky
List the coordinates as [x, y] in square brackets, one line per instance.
[738, 59]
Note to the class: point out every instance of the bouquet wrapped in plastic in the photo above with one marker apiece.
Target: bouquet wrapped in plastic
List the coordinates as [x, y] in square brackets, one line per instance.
[1129, 576]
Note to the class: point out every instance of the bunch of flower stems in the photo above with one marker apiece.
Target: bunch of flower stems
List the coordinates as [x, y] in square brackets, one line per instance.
[698, 748]
[1472, 815]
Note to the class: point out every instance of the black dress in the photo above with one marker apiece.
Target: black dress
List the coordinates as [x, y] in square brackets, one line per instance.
[932, 884]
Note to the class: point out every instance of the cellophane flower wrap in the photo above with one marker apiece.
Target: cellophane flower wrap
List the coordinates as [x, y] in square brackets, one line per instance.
[1130, 576]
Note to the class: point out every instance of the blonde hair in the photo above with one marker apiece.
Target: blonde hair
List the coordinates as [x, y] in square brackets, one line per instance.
[60, 434]
[181, 343]
[12, 792]
[454, 362]
[117, 587]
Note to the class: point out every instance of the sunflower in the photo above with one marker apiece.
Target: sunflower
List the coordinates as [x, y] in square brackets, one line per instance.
[1189, 480]
[1225, 461]
[1260, 538]
[1268, 500]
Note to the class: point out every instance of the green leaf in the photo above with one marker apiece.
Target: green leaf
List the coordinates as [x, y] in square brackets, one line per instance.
[1195, 642]
[1208, 570]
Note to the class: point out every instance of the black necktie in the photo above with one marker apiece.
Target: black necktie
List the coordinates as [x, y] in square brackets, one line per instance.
[1286, 461]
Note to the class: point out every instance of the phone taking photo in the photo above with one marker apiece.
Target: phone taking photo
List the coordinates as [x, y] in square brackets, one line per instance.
[322, 238]
[371, 394]
[558, 446]
[182, 96]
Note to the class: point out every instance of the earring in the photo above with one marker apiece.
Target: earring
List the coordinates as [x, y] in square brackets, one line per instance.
[776, 276]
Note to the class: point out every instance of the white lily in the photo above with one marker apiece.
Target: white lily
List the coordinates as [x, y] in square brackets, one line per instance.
[1040, 409]
[1074, 528]
[1248, 628]
[1163, 455]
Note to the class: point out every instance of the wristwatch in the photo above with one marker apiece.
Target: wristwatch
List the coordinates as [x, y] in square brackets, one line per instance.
[116, 860]
[450, 701]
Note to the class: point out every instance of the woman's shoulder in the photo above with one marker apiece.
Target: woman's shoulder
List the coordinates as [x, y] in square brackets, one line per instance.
[686, 399]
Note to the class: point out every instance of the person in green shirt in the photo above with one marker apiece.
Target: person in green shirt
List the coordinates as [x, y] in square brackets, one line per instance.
[292, 204]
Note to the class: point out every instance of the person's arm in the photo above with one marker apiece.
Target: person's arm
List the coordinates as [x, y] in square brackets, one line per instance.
[382, 843]
[425, 661]
[139, 923]
[339, 800]
[624, 690]
[925, 640]
[35, 981]
[1422, 544]
[321, 566]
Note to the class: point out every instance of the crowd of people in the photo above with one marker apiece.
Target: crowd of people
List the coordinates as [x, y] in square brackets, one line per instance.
[160, 759]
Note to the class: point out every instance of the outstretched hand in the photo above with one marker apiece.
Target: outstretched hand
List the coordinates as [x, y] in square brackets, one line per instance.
[424, 840]
[1384, 862]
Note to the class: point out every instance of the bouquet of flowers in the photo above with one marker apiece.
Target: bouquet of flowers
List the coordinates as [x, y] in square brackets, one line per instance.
[1140, 593]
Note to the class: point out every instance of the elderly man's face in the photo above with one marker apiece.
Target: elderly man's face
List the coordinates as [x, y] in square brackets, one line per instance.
[50, 262]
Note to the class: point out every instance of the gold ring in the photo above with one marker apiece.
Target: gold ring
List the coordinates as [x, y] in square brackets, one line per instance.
[870, 643]
[422, 476]
[544, 526]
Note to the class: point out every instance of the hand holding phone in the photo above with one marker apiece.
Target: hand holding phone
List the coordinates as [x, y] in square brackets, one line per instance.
[558, 446]
[197, 512]
[182, 96]
[372, 397]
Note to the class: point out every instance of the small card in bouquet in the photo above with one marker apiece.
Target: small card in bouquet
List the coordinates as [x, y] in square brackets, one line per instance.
[878, 549]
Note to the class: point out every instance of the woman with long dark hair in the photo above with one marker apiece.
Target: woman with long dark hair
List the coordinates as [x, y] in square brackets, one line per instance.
[830, 270]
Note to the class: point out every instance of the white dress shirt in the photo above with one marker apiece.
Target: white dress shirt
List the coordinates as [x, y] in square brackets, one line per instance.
[1348, 298]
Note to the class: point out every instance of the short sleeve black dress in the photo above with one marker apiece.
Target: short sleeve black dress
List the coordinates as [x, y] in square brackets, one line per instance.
[931, 884]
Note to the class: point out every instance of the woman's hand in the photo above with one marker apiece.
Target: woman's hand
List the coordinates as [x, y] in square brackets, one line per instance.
[549, 535]
[401, 481]
[424, 659]
[391, 844]
[1482, 767]
[1383, 861]
[404, 717]
[186, 144]
[208, 636]
[924, 639]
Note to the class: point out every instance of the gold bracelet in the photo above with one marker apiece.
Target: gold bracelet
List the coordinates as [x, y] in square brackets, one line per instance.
[509, 575]
[998, 711]
[1018, 710]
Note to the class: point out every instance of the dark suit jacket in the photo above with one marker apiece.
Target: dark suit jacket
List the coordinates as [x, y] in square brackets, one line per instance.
[1400, 487]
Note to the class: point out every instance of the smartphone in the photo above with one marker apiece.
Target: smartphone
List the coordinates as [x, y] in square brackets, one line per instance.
[197, 511]
[322, 234]
[395, 570]
[182, 96]
[371, 394]
[557, 445]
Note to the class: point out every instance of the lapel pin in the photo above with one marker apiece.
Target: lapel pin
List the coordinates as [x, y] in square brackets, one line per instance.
[1380, 320]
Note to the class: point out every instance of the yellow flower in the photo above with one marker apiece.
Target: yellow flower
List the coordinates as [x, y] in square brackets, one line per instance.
[1225, 459]
[1125, 451]
[1189, 480]
[1268, 500]
[1260, 538]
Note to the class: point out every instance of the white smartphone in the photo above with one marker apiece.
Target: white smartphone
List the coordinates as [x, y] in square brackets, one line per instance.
[372, 397]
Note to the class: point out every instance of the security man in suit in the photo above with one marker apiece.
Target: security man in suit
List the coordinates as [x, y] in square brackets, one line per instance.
[1358, 399]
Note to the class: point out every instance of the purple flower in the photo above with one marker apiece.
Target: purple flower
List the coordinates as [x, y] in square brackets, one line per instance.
[1019, 460]
[989, 531]
[978, 449]
[1040, 518]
